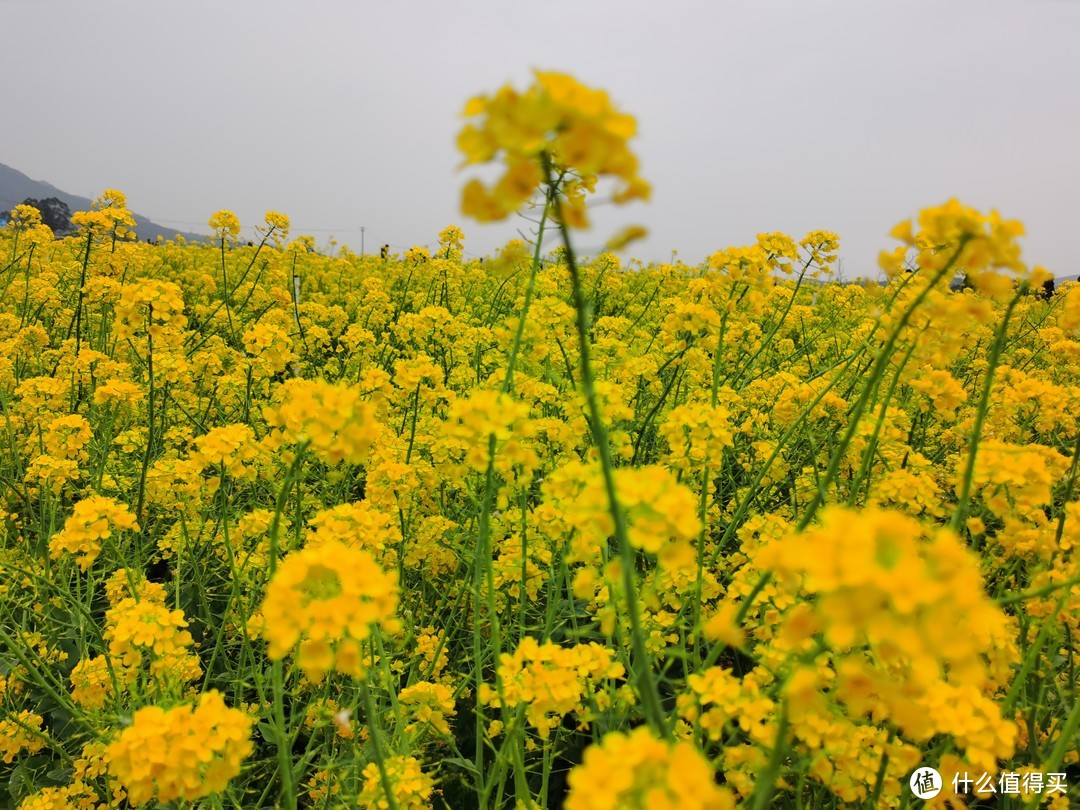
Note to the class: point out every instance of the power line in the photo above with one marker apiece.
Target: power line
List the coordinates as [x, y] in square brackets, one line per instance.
[293, 228]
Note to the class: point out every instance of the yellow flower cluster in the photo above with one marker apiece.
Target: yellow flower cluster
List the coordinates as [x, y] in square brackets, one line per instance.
[126, 582]
[944, 392]
[982, 246]
[22, 732]
[941, 641]
[149, 306]
[92, 521]
[752, 265]
[558, 120]
[660, 512]
[93, 682]
[278, 223]
[226, 225]
[270, 344]
[330, 418]
[716, 699]
[1017, 480]
[428, 705]
[66, 437]
[357, 525]
[473, 421]
[844, 755]
[186, 752]
[135, 627]
[117, 392]
[696, 436]
[231, 447]
[326, 599]
[411, 786]
[76, 796]
[108, 216]
[24, 216]
[554, 681]
[638, 771]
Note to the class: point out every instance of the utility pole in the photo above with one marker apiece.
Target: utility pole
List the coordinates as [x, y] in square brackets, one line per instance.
[361, 241]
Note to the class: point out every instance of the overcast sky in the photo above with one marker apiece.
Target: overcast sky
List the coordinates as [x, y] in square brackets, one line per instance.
[787, 115]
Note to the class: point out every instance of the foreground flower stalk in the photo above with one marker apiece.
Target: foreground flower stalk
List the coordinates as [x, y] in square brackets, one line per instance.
[641, 663]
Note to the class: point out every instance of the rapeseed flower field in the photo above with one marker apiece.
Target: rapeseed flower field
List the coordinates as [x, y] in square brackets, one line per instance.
[285, 529]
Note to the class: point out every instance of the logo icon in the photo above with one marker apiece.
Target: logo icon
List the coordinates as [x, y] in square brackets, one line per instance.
[925, 783]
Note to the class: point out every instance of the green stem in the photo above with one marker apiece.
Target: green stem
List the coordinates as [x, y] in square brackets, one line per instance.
[878, 368]
[281, 729]
[79, 300]
[225, 287]
[508, 382]
[766, 782]
[376, 743]
[150, 424]
[483, 573]
[1023, 596]
[980, 416]
[1065, 743]
[647, 689]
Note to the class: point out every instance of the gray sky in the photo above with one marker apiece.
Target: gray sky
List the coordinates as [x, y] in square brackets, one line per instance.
[787, 115]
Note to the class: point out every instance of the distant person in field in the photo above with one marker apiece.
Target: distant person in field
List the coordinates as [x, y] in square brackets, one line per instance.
[1048, 289]
[384, 252]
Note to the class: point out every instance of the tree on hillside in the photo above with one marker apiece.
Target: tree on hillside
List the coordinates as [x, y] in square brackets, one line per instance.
[54, 213]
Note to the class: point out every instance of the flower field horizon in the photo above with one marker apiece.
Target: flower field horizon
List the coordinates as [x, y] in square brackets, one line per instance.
[287, 529]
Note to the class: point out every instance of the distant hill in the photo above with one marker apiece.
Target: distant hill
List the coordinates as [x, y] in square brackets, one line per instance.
[16, 187]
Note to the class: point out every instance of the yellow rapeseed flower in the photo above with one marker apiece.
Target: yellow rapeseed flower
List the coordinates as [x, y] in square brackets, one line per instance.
[327, 599]
[334, 421]
[557, 120]
[638, 771]
[93, 520]
[411, 786]
[186, 752]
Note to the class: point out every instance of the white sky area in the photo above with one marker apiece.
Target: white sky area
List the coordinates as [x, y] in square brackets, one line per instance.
[778, 115]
